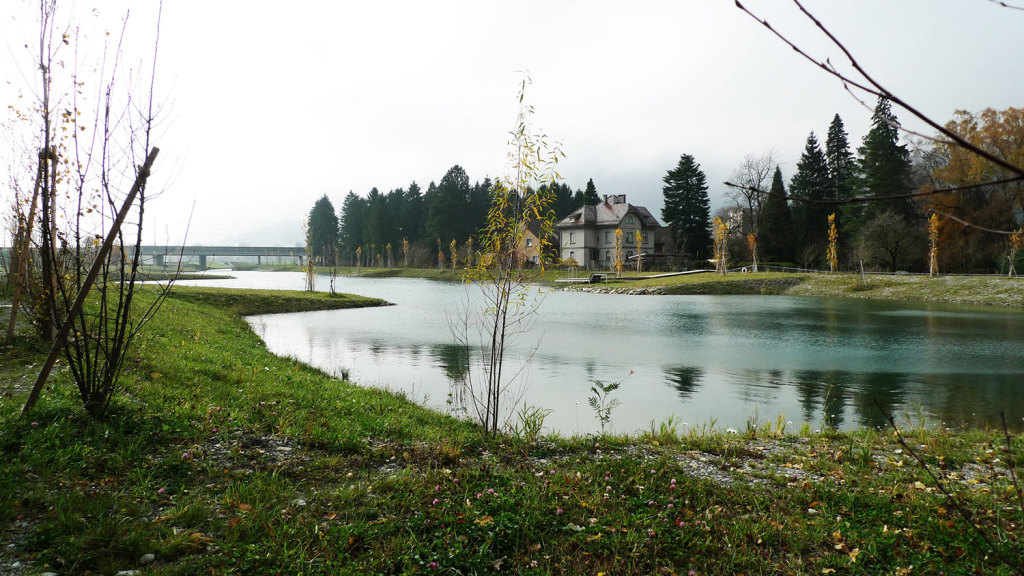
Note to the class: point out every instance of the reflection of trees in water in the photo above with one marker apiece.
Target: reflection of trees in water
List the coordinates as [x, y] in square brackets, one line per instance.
[685, 379]
[890, 391]
[829, 395]
[454, 359]
[823, 394]
[975, 404]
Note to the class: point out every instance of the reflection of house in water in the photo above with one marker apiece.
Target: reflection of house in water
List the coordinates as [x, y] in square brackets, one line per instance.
[685, 379]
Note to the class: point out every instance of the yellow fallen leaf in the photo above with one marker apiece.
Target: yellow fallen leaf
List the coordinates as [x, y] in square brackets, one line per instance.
[919, 485]
[853, 555]
[594, 537]
[483, 520]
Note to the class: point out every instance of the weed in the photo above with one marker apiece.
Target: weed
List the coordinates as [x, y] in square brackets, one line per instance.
[601, 401]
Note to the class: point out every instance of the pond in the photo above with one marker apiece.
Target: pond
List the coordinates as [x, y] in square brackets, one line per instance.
[703, 361]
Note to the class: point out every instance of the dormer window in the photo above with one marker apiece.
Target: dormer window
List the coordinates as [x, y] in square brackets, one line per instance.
[629, 219]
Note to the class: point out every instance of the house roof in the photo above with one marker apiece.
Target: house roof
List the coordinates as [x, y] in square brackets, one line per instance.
[607, 214]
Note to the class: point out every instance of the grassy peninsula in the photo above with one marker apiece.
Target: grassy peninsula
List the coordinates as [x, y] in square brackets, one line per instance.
[219, 457]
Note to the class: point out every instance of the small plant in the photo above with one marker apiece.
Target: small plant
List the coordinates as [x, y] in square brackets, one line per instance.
[602, 403]
[531, 422]
[667, 431]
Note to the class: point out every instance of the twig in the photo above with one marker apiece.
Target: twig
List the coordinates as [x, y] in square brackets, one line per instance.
[1005, 5]
[944, 489]
[1010, 464]
[863, 199]
[871, 86]
[969, 225]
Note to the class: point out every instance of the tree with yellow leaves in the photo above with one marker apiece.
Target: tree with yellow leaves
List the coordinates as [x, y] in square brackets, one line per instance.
[453, 248]
[618, 252]
[639, 251]
[832, 254]
[752, 246]
[720, 230]
[933, 246]
[1016, 243]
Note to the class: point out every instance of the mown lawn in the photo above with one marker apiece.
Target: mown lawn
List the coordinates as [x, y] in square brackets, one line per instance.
[219, 457]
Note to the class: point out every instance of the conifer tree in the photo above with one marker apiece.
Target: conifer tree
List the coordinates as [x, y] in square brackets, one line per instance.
[776, 238]
[590, 194]
[840, 160]
[687, 207]
[811, 182]
[883, 165]
[323, 230]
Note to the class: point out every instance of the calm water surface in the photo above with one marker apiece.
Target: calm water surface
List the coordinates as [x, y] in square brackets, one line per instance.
[721, 360]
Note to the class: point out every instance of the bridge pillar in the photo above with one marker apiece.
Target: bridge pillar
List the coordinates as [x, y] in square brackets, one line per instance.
[158, 260]
[259, 259]
[202, 261]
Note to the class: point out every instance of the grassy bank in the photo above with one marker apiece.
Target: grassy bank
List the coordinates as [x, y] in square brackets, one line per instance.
[980, 290]
[219, 457]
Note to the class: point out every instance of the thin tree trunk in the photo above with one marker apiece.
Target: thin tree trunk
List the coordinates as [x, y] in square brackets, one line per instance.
[83, 292]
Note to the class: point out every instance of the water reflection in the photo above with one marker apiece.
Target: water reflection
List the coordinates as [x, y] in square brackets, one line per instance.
[685, 379]
[698, 359]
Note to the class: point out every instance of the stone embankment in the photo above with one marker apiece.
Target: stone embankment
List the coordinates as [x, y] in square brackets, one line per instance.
[717, 286]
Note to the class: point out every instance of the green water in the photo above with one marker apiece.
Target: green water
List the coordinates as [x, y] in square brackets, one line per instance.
[701, 359]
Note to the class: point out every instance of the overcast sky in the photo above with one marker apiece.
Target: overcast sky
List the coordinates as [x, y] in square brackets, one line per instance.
[270, 105]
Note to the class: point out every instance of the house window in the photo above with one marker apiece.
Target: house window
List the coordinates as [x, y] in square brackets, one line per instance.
[529, 242]
[607, 237]
[572, 254]
[645, 238]
[629, 219]
[572, 237]
[608, 255]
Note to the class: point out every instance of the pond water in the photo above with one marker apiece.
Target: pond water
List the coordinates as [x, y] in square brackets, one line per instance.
[720, 361]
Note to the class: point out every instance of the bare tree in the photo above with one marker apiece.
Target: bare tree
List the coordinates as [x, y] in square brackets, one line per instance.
[92, 176]
[753, 176]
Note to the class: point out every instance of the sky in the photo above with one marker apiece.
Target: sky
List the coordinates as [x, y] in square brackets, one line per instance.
[267, 106]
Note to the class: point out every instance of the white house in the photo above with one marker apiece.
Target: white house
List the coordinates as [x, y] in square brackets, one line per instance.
[587, 236]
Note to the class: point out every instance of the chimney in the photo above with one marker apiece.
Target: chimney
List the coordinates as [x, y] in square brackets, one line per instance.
[605, 198]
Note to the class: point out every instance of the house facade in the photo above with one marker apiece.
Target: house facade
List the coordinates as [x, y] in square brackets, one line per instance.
[587, 236]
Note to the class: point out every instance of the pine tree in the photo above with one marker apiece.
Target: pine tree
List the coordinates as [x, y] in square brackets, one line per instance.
[448, 208]
[840, 161]
[775, 241]
[811, 182]
[323, 229]
[883, 166]
[351, 227]
[590, 194]
[687, 207]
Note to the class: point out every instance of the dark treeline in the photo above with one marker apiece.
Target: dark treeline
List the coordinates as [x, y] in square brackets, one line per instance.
[415, 223]
[887, 233]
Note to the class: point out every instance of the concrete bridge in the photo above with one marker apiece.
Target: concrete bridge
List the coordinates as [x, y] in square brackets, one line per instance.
[161, 255]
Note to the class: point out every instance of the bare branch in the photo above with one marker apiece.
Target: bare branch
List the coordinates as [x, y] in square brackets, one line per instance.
[1005, 5]
[870, 85]
[865, 199]
[951, 498]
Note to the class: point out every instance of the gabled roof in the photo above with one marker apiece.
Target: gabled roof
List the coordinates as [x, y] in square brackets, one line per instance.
[606, 214]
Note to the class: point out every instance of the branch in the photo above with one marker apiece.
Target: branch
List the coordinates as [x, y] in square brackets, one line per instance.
[1005, 5]
[101, 257]
[871, 86]
[969, 225]
[865, 199]
[952, 499]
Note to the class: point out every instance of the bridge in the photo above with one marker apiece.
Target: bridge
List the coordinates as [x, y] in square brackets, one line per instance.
[160, 255]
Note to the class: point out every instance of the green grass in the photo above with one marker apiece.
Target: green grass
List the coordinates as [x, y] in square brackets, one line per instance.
[219, 457]
[983, 290]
